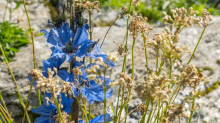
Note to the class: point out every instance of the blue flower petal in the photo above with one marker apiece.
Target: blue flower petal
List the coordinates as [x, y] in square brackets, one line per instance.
[44, 110]
[43, 119]
[94, 92]
[55, 61]
[98, 119]
[66, 102]
[46, 33]
[81, 36]
[58, 52]
[66, 76]
[84, 48]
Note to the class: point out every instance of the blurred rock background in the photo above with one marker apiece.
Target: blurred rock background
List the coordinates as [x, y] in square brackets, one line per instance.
[207, 57]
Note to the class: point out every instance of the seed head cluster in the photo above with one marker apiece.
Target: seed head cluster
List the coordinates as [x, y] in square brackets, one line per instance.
[190, 76]
[175, 111]
[36, 74]
[88, 5]
[138, 25]
[126, 81]
[155, 87]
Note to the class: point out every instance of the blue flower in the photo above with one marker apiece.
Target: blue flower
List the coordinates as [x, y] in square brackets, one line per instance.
[99, 119]
[96, 53]
[88, 88]
[49, 111]
[68, 44]
[55, 61]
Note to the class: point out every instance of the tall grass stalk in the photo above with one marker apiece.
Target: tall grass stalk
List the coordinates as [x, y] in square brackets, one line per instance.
[18, 92]
[27, 100]
[194, 96]
[196, 45]
[3, 102]
[2, 117]
[58, 106]
[123, 67]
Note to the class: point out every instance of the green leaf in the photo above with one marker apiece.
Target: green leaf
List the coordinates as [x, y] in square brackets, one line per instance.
[18, 4]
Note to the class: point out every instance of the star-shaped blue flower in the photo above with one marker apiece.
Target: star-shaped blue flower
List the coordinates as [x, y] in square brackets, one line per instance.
[68, 44]
[99, 119]
[88, 88]
[48, 112]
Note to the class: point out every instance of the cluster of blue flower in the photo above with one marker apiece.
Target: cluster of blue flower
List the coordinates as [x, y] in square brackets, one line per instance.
[66, 46]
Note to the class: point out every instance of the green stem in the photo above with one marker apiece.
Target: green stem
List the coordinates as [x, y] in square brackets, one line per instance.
[58, 107]
[165, 111]
[145, 50]
[90, 29]
[128, 104]
[18, 92]
[32, 35]
[157, 61]
[122, 100]
[149, 116]
[2, 117]
[26, 106]
[192, 110]
[132, 51]
[3, 102]
[33, 48]
[171, 66]
[196, 45]
[143, 116]
[90, 111]
[105, 90]
[119, 91]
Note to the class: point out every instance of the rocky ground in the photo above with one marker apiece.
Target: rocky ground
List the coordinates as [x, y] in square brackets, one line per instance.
[206, 59]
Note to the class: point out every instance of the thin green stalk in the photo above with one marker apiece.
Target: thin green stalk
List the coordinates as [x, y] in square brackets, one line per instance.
[117, 103]
[149, 116]
[158, 112]
[145, 50]
[153, 113]
[143, 116]
[105, 91]
[90, 111]
[3, 102]
[132, 51]
[33, 48]
[164, 113]
[1, 110]
[105, 106]
[128, 104]
[171, 66]
[58, 107]
[123, 69]
[32, 35]
[90, 29]
[18, 92]
[196, 45]
[157, 61]
[2, 117]
[122, 99]
[192, 110]
[87, 121]
[26, 106]
[9, 116]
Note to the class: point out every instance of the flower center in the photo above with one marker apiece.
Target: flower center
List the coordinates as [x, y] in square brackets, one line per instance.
[69, 48]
